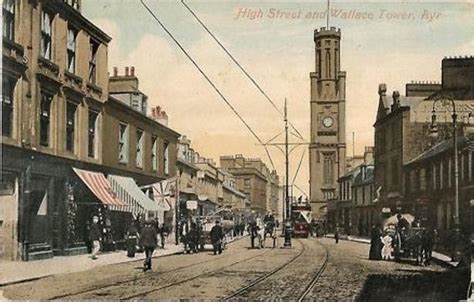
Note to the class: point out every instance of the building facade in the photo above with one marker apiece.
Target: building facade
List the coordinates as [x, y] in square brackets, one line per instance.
[402, 127]
[54, 86]
[57, 115]
[429, 183]
[327, 150]
[251, 179]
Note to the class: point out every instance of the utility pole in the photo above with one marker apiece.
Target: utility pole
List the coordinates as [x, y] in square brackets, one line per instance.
[287, 191]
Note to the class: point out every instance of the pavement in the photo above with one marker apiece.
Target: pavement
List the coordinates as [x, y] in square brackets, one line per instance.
[438, 256]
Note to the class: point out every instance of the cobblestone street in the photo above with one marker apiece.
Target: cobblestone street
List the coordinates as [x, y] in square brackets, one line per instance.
[240, 273]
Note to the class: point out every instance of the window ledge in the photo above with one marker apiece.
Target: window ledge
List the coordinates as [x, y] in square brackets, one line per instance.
[94, 88]
[73, 78]
[47, 64]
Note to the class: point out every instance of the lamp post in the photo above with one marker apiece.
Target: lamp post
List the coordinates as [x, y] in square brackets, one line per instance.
[434, 133]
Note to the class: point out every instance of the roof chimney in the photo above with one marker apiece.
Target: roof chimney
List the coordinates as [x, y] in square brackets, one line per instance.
[126, 71]
[382, 89]
[115, 71]
[153, 112]
[132, 71]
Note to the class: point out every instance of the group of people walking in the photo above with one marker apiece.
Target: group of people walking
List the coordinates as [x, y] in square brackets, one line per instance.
[141, 235]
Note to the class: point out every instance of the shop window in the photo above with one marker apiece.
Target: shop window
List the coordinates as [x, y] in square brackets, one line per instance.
[139, 151]
[71, 49]
[8, 86]
[7, 184]
[154, 157]
[46, 34]
[9, 19]
[123, 143]
[93, 47]
[70, 125]
[45, 117]
[92, 134]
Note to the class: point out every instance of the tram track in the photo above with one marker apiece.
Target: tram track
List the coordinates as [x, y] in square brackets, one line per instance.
[129, 280]
[308, 288]
[316, 276]
[117, 283]
[208, 273]
[264, 277]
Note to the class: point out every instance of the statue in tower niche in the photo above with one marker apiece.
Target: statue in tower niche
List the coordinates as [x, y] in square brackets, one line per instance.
[327, 148]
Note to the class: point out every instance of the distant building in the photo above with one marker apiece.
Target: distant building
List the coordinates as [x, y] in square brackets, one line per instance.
[354, 210]
[252, 177]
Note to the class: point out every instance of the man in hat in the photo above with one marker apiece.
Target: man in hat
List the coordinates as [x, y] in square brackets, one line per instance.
[216, 237]
[149, 241]
[95, 237]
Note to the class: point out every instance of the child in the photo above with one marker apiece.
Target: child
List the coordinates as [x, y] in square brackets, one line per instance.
[387, 247]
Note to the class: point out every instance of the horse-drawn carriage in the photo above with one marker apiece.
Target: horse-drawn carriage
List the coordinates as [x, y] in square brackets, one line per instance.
[410, 240]
[225, 216]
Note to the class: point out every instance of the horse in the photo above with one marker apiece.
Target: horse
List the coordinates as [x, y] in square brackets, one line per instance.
[270, 230]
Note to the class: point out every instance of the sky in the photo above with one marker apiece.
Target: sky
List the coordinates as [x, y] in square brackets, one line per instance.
[382, 42]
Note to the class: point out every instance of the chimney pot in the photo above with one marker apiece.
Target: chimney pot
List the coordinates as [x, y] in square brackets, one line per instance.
[126, 71]
[382, 89]
[153, 112]
[132, 71]
[115, 71]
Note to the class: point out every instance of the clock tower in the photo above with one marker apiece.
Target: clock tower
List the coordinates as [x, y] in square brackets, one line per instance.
[327, 150]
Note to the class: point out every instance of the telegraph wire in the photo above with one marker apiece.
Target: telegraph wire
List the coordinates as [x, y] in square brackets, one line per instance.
[299, 166]
[208, 80]
[240, 67]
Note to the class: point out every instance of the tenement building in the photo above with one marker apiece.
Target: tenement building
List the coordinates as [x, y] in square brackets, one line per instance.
[327, 150]
[69, 149]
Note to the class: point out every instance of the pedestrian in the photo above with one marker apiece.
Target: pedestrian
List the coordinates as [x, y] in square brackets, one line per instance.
[216, 237]
[162, 232]
[95, 236]
[193, 238]
[132, 239]
[148, 239]
[336, 234]
[375, 252]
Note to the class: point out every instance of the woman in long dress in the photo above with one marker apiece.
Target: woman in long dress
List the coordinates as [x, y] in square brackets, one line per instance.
[375, 252]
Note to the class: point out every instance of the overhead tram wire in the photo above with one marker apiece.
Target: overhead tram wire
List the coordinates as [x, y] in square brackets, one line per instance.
[299, 166]
[241, 68]
[208, 80]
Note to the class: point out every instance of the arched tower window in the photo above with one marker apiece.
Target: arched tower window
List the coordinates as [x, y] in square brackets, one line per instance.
[328, 169]
[328, 63]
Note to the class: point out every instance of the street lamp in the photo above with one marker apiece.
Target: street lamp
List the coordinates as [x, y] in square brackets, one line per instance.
[434, 131]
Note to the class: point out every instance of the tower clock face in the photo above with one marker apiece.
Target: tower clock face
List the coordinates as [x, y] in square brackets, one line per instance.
[328, 122]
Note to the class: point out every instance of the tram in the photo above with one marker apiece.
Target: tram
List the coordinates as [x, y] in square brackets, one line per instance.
[301, 218]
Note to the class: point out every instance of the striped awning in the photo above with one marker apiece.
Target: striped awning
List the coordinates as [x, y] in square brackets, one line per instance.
[99, 185]
[136, 201]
